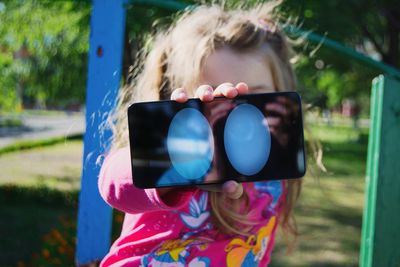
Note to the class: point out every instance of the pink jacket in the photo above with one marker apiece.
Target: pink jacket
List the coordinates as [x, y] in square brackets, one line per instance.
[177, 230]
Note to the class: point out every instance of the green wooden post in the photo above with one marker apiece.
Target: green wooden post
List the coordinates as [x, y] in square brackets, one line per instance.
[381, 221]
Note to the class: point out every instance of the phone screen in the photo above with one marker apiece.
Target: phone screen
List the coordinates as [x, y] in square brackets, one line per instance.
[252, 137]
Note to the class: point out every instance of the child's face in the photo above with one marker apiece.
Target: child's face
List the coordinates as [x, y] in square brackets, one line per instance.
[226, 65]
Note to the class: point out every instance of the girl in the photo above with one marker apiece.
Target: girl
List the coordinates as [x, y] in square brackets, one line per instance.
[209, 52]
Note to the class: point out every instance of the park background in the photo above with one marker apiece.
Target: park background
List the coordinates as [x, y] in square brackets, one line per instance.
[43, 72]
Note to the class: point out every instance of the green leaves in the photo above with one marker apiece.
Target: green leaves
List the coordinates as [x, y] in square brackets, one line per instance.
[44, 46]
[48, 44]
[361, 25]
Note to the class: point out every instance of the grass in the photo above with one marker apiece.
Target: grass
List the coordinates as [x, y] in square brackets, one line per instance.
[29, 144]
[45, 112]
[57, 166]
[39, 191]
[329, 212]
[40, 226]
[10, 122]
[38, 197]
[28, 214]
[39, 194]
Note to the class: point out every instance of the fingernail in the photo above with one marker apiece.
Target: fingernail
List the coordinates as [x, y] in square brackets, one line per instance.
[231, 187]
[232, 93]
[207, 92]
[208, 95]
[242, 87]
[181, 95]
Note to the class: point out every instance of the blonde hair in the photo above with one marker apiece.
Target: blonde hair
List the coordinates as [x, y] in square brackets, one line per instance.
[176, 59]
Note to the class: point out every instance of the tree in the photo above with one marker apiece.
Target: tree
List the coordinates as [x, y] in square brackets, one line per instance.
[326, 77]
[371, 27]
[48, 44]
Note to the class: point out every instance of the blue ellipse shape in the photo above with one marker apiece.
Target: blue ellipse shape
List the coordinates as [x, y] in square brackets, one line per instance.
[190, 144]
[247, 139]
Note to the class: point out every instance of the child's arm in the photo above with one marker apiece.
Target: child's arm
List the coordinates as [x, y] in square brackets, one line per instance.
[117, 189]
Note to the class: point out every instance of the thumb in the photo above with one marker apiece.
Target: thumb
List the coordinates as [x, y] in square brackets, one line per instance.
[232, 189]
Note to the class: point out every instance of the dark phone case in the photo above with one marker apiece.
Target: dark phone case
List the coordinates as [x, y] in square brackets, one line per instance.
[159, 162]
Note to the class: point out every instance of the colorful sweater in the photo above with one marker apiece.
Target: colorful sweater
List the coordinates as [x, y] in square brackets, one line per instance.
[177, 230]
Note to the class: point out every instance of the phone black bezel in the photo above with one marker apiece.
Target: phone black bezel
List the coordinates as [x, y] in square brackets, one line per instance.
[245, 97]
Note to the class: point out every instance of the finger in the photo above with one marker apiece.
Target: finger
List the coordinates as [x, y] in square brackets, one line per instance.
[205, 93]
[179, 95]
[242, 88]
[283, 100]
[232, 189]
[273, 122]
[276, 108]
[226, 90]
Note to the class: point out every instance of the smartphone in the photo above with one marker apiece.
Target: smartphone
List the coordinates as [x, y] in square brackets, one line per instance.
[252, 137]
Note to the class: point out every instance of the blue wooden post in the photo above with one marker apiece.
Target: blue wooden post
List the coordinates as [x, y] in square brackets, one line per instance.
[105, 63]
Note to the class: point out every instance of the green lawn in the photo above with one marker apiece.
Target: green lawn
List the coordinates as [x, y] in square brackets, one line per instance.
[39, 194]
[329, 212]
[57, 166]
[39, 190]
[38, 203]
[30, 218]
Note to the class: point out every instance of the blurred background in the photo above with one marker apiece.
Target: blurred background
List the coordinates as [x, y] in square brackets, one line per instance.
[43, 71]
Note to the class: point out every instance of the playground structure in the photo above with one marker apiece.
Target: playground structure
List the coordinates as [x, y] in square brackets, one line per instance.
[381, 216]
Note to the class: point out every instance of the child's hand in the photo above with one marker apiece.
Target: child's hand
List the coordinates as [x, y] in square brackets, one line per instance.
[231, 189]
[206, 93]
[279, 117]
